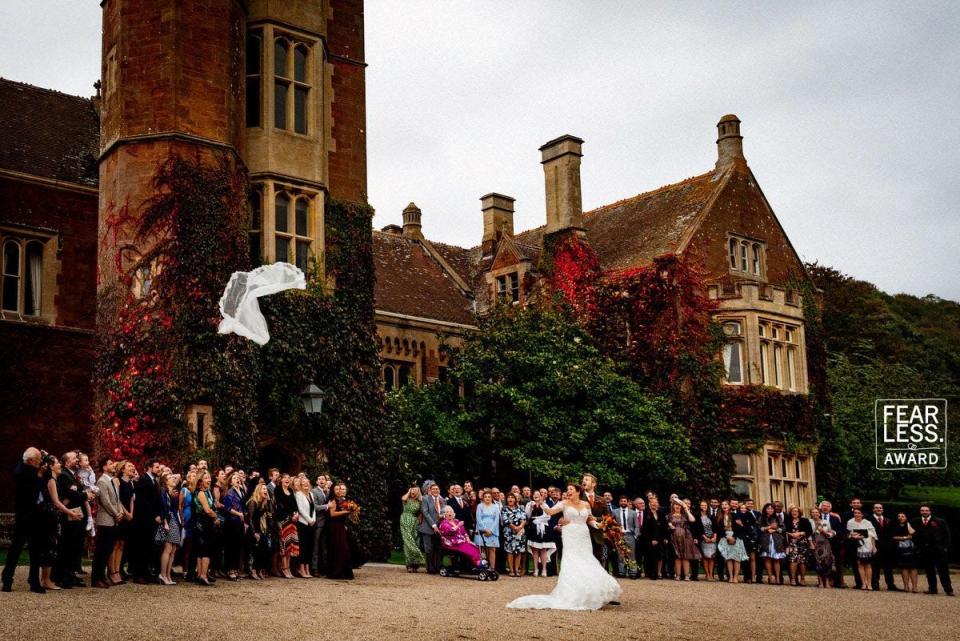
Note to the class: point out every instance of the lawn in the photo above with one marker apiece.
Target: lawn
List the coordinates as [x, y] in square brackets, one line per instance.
[938, 495]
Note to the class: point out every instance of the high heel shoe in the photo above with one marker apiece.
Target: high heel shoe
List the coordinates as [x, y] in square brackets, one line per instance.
[202, 581]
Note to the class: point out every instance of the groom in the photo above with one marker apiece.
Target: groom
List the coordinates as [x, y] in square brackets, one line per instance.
[599, 509]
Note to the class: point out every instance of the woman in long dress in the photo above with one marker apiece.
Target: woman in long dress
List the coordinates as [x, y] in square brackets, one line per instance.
[341, 544]
[408, 529]
[583, 584]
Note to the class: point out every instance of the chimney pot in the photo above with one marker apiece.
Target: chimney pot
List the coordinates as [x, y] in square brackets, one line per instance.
[411, 221]
[729, 141]
[561, 171]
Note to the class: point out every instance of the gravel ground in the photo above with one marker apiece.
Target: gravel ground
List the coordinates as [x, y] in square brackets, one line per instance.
[387, 603]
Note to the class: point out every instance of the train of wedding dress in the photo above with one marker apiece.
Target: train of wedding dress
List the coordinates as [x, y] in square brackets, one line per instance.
[583, 584]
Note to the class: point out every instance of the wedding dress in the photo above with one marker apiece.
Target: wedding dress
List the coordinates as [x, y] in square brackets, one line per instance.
[239, 307]
[583, 584]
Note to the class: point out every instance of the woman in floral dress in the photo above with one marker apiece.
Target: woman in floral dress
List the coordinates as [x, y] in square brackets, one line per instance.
[799, 535]
[408, 529]
[514, 533]
[822, 552]
[681, 539]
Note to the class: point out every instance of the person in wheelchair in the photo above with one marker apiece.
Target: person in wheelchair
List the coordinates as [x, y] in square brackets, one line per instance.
[454, 539]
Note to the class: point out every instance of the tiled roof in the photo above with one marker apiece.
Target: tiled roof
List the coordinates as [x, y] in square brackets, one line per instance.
[633, 231]
[47, 133]
[411, 282]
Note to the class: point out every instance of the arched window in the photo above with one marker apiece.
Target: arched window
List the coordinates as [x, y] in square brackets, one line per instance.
[32, 289]
[404, 375]
[733, 253]
[744, 263]
[282, 227]
[756, 259]
[301, 228]
[254, 66]
[301, 89]
[388, 382]
[11, 276]
[281, 86]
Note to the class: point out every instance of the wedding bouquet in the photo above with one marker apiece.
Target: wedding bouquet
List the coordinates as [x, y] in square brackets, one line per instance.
[354, 509]
[614, 534]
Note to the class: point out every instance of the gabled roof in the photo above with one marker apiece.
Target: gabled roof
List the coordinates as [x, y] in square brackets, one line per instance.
[48, 134]
[411, 282]
[633, 231]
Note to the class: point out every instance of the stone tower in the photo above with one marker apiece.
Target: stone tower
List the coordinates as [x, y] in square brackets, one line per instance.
[172, 83]
[277, 87]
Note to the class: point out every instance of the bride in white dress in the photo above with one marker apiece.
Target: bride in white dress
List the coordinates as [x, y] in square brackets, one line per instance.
[583, 584]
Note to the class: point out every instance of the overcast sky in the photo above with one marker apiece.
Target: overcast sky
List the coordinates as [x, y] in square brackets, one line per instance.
[849, 112]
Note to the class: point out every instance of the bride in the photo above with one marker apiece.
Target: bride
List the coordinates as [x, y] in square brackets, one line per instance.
[583, 584]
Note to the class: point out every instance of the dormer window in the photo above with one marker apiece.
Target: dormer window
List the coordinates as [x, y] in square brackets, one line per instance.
[746, 256]
[508, 287]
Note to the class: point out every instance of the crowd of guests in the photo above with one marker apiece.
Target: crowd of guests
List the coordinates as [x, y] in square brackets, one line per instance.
[712, 540]
[142, 523]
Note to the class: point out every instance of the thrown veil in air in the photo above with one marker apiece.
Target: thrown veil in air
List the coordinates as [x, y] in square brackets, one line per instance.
[239, 306]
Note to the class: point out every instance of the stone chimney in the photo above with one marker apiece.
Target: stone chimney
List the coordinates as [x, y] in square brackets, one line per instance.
[393, 230]
[561, 171]
[497, 219]
[411, 222]
[729, 141]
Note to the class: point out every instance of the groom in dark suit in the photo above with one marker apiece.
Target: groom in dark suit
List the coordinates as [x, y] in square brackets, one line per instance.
[598, 508]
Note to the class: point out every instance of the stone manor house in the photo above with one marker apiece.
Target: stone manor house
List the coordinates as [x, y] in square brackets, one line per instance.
[281, 86]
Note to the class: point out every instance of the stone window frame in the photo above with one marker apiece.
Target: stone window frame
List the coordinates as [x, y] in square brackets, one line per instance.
[508, 287]
[255, 227]
[788, 477]
[293, 84]
[746, 257]
[291, 236]
[740, 340]
[781, 354]
[25, 241]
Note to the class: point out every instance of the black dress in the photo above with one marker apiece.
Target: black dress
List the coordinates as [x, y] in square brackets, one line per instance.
[906, 549]
[126, 499]
[341, 545]
[48, 534]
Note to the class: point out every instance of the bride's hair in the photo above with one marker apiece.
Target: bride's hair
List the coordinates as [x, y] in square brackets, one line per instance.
[578, 488]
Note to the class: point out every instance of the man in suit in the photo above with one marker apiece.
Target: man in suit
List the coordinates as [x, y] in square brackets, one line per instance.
[146, 518]
[321, 500]
[626, 516]
[72, 532]
[109, 514]
[273, 477]
[886, 549]
[933, 545]
[713, 510]
[431, 509]
[639, 542]
[26, 489]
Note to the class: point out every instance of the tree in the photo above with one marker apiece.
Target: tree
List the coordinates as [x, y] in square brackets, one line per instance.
[538, 397]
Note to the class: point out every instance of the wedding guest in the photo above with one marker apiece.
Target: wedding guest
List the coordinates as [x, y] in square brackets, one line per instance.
[626, 516]
[540, 536]
[125, 471]
[850, 546]
[72, 531]
[837, 533]
[143, 564]
[731, 541]
[186, 508]
[933, 541]
[907, 561]
[799, 537]
[681, 539]
[260, 518]
[340, 543]
[233, 526]
[771, 543]
[431, 509]
[553, 497]
[861, 531]
[488, 526]
[823, 534]
[653, 532]
[205, 528]
[172, 521]
[306, 526]
[286, 514]
[56, 514]
[708, 541]
[27, 523]
[885, 558]
[514, 538]
[109, 514]
[273, 480]
[410, 511]
[526, 495]
[321, 498]
[750, 521]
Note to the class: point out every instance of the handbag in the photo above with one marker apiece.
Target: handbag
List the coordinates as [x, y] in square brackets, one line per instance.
[905, 545]
[160, 535]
